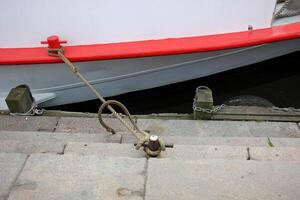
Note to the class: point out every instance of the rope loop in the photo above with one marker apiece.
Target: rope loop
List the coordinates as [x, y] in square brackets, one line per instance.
[125, 110]
[142, 136]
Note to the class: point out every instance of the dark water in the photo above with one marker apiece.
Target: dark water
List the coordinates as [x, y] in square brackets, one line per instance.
[277, 80]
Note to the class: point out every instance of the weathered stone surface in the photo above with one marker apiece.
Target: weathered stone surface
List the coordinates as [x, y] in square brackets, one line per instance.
[248, 129]
[232, 141]
[104, 149]
[275, 153]
[27, 123]
[285, 142]
[274, 129]
[178, 152]
[222, 179]
[86, 125]
[219, 128]
[65, 177]
[196, 152]
[17, 146]
[58, 137]
[170, 127]
[10, 166]
[223, 128]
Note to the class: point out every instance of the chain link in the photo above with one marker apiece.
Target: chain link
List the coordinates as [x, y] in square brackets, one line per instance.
[213, 110]
[31, 112]
[290, 109]
[216, 109]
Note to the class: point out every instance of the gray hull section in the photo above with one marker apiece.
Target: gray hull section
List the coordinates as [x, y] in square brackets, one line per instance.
[114, 77]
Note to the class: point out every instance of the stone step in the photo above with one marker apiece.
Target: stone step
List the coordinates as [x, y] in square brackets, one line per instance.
[230, 141]
[155, 126]
[169, 179]
[178, 152]
[28, 123]
[188, 152]
[219, 128]
[30, 147]
[47, 142]
[275, 153]
[58, 137]
[73, 177]
[54, 142]
[10, 166]
[86, 125]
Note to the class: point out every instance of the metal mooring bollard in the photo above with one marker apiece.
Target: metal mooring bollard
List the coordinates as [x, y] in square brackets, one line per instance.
[21, 102]
[19, 99]
[203, 103]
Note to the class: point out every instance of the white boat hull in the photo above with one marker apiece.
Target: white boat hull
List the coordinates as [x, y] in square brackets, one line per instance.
[101, 21]
[114, 77]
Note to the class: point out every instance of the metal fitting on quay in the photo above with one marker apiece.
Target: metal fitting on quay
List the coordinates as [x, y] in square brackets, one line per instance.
[153, 146]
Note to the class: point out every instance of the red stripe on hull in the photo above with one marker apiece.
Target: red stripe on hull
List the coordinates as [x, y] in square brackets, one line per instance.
[161, 47]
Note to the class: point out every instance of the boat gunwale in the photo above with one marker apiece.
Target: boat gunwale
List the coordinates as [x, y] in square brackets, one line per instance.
[147, 48]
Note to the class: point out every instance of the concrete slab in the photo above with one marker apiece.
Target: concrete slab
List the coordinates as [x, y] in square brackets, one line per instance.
[170, 127]
[104, 150]
[58, 137]
[219, 128]
[232, 141]
[127, 138]
[223, 129]
[86, 125]
[286, 142]
[14, 146]
[10, 166]
[222, 180]
[65, 177]
[275, 153]
[248, 129]
[28, 123]
[178, 152]
[196, 152]
[274, 129]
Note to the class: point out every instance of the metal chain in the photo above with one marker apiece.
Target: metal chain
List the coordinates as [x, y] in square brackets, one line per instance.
[31, 112]
[290, 109]
[220, 107]
[213, 110]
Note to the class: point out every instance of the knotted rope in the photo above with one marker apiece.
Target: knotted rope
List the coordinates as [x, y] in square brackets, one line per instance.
[142, 136]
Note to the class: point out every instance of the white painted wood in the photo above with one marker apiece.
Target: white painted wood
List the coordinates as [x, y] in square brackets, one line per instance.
[26, 23]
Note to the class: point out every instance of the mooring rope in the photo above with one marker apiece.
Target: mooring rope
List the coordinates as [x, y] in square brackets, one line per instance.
[135, 128]
[141, 135]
